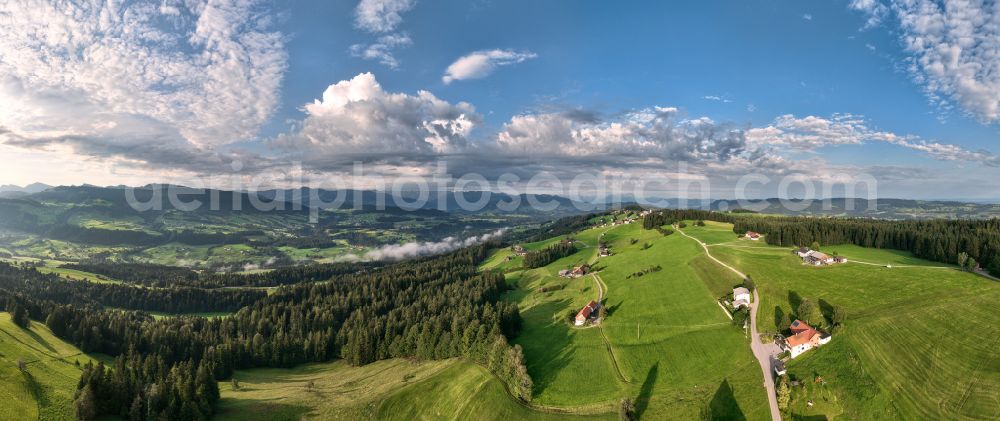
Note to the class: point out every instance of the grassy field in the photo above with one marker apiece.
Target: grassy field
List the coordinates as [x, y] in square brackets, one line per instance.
[75, 275]
[45, 390]
[665, 343]
[920, 341]
[384, 390]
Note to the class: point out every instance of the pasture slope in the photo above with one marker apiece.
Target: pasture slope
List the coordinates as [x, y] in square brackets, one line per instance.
[665, 344]
[920, 340]
[394, 389]
[44, 391]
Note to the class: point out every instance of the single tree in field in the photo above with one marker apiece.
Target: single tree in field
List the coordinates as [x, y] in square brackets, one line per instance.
[784, 394]
[311, 385]
[815, 245]
[626, 411]
[85, 405]
[236, 383]
[21, 365]
[963, 257]
[748, 283]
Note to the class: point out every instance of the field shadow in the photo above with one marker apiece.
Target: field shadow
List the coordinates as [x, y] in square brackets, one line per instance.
[779, 314]
[646, 391]
[826, 308]
[548, 351]
[794, 299]
[229, 407]
[723, 405]
[40, 340]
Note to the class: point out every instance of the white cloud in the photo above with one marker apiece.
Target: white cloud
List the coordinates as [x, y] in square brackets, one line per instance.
[196, 74]
[875, 10]
[480, 64]
[381, 15]
[954, 47]
[357, 116]
[648, 133]
[716, 98]
[416, 249]
[382, 48]
[811, 133]
[807, 16]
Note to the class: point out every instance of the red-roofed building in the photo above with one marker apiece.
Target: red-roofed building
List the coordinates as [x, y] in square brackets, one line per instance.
[804, 338]
[753, 235]
[585, 313]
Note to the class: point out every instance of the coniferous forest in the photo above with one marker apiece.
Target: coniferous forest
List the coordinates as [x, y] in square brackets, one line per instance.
[429, 308]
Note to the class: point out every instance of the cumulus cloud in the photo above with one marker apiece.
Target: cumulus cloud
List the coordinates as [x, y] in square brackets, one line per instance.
[410, 250]
[357, 117]
[381, 15]
[382, 49]
[209, 72]
[480, 64]
[656, 132]
[954, 48]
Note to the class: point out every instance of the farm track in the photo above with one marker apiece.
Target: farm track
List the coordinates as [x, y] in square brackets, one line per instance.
[601, 288]
[763, 358]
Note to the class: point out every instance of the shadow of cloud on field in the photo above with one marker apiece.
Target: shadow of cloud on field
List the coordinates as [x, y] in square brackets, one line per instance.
[646, 391]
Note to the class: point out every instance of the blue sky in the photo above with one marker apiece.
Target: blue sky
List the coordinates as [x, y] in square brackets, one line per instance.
[809, 88]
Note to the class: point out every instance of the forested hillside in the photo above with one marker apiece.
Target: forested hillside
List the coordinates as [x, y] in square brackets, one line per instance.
[428, 308]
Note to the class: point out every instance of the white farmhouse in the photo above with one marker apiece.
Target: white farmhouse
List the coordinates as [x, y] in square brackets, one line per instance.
[741, 297]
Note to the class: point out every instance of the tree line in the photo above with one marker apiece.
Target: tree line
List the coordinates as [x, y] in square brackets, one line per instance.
[170, 276]
[539, 258]
[28, 281]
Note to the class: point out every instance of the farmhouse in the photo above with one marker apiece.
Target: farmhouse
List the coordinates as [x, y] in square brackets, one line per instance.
[753, 235]
[741, 297]
[815, 258]
[586, 312]
[519, 250]
[804, 338]
[605, 251]
[579, 270]
[564, 273]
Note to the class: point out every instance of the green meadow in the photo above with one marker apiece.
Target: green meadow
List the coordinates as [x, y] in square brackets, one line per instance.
[44, 391]
[920, 340]
[385, 390]
[666, 344]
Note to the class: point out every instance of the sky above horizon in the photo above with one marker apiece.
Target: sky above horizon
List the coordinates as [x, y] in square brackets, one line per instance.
[902, 92]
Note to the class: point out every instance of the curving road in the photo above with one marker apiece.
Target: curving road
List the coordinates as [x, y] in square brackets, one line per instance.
[760, 350]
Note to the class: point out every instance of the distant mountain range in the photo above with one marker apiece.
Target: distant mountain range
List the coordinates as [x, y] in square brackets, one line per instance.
[10, 190]
[878, 208]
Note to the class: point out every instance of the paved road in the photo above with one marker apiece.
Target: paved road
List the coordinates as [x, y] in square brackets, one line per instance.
[763, 352]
